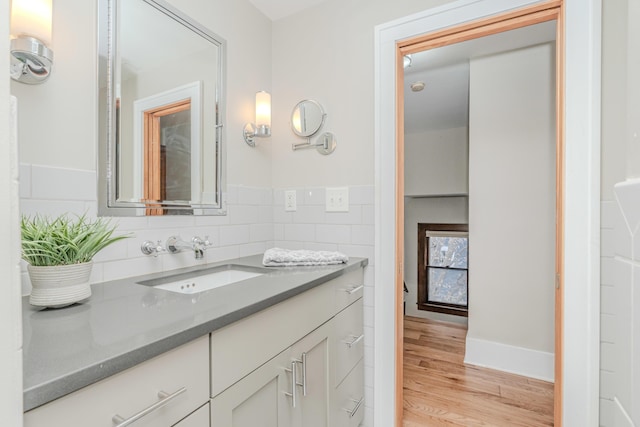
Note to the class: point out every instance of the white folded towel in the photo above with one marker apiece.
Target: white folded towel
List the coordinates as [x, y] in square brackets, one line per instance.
[277, 257]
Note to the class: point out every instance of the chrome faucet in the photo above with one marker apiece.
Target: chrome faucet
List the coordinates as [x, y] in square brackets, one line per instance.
[175, 244]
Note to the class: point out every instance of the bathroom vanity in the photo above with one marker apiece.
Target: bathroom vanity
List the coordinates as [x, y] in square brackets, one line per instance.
[284, 348]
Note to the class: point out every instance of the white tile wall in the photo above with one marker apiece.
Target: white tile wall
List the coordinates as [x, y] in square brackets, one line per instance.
[608, 214]
[619, 325]
[311, 227]
[246, 230]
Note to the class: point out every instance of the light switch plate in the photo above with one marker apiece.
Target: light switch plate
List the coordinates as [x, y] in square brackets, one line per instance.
[290, 204]
[337, 199]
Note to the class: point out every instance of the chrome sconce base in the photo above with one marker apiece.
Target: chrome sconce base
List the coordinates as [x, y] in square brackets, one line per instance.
[31, 60]
[251, 131]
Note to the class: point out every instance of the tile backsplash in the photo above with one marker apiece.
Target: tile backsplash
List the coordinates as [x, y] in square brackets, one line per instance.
[619, 325]
[246, 230]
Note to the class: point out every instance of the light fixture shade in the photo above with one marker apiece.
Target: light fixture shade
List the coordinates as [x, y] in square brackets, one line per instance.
[31, 18]
[263, 109]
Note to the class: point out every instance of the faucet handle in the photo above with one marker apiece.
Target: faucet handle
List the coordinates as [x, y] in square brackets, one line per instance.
[150, 248]
[202, 243]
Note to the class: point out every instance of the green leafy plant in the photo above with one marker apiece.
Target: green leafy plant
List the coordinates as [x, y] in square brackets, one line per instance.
[64, 240]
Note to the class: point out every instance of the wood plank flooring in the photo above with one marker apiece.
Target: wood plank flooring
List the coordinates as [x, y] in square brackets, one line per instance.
[440, 390]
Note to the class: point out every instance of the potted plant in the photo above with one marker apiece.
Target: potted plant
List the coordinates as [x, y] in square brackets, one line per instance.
[59, 254]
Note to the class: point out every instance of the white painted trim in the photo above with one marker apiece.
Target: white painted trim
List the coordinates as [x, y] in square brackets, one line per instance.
[582, 186]
[192, 91]
[581, 345]
[509, 358]
[10, 294]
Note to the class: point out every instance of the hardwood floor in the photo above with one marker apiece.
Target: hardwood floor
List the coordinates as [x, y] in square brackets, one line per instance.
[440, 390]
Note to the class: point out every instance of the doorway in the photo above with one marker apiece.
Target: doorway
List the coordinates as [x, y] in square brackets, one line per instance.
[477, 153]
[525, 17]
[580, 286]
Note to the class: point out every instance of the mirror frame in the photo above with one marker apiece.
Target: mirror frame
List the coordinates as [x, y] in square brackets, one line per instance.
[108, 115]
[322, 120]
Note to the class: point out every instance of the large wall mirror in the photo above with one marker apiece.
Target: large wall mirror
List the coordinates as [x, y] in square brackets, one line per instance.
[161, 80]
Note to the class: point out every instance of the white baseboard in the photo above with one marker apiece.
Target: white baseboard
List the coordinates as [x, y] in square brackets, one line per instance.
[508, 358]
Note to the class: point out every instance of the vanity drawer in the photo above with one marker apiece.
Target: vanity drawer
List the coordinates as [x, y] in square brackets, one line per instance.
[199, 418]
[348, 288]
[134, 390]
[348, 335]
[240, 348]
[348, 399]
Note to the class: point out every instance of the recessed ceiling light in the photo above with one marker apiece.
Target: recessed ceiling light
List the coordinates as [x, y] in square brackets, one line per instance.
[417, 86]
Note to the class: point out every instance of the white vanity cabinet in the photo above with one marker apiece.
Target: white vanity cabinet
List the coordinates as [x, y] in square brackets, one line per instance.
[297, 363]
[294, 363]
[311, 359]
[136, 389]
[347, 404]
[259, 399]
[291, 389]
[200, 418]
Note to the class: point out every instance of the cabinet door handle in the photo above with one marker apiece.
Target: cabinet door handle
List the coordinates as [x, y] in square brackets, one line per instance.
[303, 362]
[165, 398]
[294, 383]
[353, 411]
[304, 374]
[354, 341]
[352, 291]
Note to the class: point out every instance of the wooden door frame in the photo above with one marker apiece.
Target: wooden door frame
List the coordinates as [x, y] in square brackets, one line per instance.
[526, 16]
[152, 165]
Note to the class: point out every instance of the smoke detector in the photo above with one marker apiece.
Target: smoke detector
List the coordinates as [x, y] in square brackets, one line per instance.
[417, 86]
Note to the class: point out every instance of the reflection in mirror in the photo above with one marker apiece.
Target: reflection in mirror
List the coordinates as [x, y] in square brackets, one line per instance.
[307, 118]
[161, 111]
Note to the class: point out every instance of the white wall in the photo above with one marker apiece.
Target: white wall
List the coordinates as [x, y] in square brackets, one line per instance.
[65, 108]
[437, 162]
[512, 199]
[447, 210]
[326, 53]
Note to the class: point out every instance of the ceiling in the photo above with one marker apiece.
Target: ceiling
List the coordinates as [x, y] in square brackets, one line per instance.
[276, 9]
[443, 104]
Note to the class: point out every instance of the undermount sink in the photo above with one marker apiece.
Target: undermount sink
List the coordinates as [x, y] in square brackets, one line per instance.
[204, 280]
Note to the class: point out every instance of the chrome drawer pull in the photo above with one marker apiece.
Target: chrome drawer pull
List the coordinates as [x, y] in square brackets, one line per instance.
[164, 399]
[354, 290]
[353, 411]
[354, 341]
[304, 374]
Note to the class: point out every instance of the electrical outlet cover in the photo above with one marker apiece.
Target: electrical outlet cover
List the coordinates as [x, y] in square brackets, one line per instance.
[290, 204]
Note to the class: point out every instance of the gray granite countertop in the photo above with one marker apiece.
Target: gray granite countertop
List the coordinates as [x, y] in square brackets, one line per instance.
[125, 323]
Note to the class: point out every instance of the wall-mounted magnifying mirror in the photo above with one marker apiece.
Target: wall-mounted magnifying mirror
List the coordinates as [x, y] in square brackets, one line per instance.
[307, 118]
[161, 78]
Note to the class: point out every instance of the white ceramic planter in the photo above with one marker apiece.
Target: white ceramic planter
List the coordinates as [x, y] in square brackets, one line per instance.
[59, 286]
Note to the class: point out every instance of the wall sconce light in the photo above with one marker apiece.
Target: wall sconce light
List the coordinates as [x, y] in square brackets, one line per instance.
[407, 60]
[262, 127]
[31, 59]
